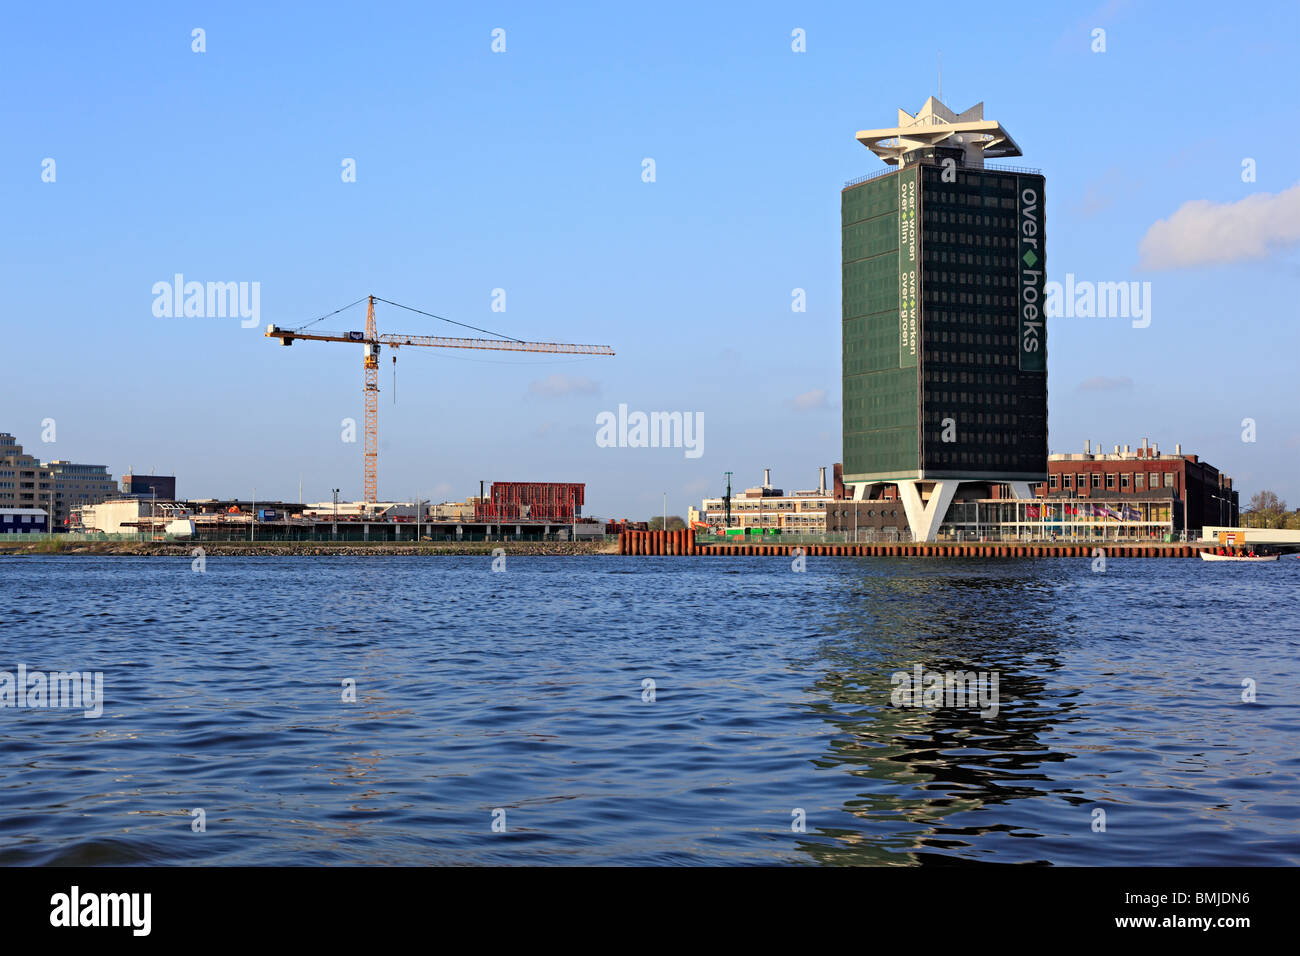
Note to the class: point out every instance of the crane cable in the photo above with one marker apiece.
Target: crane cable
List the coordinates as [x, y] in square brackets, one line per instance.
[328, 314]
[510, 338]
[443, 318]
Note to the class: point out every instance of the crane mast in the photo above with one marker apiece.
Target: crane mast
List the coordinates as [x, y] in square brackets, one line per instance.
[370, 475]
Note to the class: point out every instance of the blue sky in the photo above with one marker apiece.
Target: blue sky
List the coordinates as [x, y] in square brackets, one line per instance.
[522, 171]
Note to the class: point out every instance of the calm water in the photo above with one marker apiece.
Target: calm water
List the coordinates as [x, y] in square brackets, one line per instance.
[523, 691]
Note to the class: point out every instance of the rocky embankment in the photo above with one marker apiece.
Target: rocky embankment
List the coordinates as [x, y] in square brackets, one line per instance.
[285, 549]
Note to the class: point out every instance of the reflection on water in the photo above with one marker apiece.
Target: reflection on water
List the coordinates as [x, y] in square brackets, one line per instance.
[943, 781]
[478, 691]
[925, 770]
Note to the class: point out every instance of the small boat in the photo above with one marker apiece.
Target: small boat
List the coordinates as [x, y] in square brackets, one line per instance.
[1207, 556]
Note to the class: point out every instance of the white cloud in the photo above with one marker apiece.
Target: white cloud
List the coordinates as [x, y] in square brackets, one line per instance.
[559, 386]
[1201, 232]
[810, 400]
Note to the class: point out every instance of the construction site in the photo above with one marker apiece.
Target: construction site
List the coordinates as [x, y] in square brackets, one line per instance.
[509, 510]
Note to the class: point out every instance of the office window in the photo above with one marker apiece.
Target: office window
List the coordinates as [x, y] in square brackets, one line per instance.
[1110, 482]
[1053, 482]
[1125, 482]
[1139, 482]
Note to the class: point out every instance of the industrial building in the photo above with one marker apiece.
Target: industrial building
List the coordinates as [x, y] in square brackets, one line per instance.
[57, 486]
[161, 487]
[767, 508]
[943, 339]
[1198, 493]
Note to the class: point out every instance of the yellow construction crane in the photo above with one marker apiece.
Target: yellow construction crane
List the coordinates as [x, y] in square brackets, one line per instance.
[371, 341]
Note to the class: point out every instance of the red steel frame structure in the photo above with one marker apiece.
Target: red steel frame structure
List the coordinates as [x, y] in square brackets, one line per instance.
[532, 501]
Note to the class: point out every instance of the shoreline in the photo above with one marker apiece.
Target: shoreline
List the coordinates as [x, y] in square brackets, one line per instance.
[303, 548]
[188, 550]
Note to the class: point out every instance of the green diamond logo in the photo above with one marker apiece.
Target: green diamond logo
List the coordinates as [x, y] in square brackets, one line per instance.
[1030, 258]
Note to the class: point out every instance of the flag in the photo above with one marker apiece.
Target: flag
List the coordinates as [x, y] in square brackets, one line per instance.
[1131, 513]
[1032, 512]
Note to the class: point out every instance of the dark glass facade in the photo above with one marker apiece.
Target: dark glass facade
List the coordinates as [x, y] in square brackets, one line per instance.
[943, 344]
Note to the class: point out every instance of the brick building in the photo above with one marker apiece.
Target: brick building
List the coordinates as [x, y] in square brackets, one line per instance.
[1201, 494]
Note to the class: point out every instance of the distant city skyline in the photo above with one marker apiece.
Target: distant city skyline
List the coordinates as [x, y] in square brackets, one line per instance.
[667, 184]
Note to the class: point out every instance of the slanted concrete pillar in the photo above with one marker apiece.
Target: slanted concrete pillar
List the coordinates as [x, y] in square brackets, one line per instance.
[925, 519]
[1020, 489]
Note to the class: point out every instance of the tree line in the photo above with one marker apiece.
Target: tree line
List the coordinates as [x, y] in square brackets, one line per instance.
[1267, 510]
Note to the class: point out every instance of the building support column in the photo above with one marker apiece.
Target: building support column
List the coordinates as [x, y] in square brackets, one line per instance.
[1020, 489]
[924, 519]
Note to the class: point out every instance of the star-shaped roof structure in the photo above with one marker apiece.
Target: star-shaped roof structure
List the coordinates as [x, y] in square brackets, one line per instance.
[934, 125]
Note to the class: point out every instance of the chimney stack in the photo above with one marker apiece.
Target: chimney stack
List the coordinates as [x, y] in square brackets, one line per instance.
[1087, 447]
[1178, 449]
[767, 477]
[821, 482]
[1145, 450]
[1117, 449]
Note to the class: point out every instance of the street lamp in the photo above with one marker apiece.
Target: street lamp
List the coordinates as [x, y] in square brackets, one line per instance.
[1222, 501]
[335, 531]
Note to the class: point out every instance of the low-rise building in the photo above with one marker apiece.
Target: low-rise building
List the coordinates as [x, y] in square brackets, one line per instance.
[23, 521]
[57, 486]
[1198, 493]
[129, 516]
[766, 507]
[559, 501]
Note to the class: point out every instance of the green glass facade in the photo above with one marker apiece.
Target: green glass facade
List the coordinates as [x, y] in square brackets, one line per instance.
[943, 343]
[881, 392]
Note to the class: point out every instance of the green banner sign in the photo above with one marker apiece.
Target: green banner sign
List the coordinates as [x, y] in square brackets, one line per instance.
[1032, 269]
[909, 266]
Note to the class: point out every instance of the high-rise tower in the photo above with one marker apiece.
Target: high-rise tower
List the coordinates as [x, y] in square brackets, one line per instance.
[944, 340]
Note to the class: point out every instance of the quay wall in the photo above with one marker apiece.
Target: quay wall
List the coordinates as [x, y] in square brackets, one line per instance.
[655, 543]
